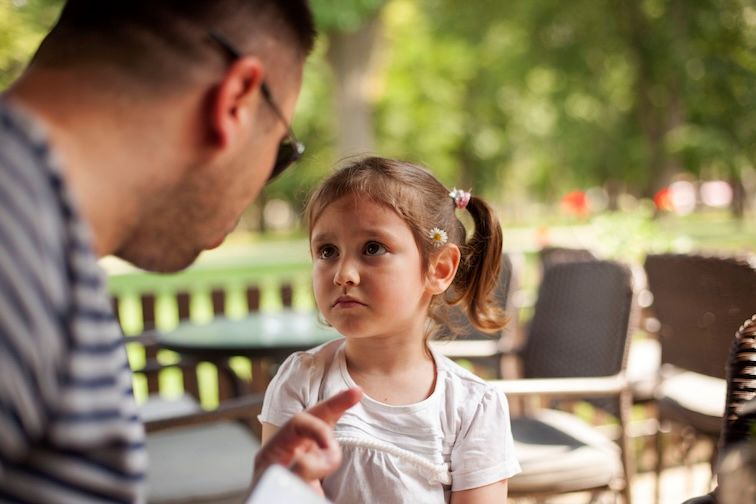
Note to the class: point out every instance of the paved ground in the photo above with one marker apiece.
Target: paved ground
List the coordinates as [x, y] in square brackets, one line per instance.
[678, 484]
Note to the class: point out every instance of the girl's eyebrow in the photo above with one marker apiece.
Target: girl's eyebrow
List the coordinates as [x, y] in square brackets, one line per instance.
[321, 237]
[381, 233]
[378, 232]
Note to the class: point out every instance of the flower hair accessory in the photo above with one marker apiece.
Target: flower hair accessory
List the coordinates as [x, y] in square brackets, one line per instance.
[438, 237]
[461, 198]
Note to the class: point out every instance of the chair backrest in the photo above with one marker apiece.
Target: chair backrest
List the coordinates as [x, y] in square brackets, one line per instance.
[700, 301]
[551, 255]
[459, 325]
[581, 321]
[741, 384]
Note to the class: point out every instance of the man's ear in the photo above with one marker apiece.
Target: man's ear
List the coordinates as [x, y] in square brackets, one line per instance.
[235, 99]
[443, 266]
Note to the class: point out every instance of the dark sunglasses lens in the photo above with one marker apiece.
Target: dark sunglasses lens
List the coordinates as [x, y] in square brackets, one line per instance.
[288, 153]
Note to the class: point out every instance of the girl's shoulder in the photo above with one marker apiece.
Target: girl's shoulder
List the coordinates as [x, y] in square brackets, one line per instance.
[308, 365]
[318, 357]
[469, 404]
[298, 382]
[459, 380]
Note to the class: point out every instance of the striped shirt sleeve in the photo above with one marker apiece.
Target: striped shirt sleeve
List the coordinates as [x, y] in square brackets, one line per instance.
[31, 296]
[69, 427]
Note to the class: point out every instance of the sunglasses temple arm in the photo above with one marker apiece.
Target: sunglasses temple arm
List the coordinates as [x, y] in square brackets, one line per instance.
[264, 89]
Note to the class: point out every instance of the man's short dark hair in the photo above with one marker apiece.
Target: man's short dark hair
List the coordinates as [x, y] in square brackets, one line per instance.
[158, 38]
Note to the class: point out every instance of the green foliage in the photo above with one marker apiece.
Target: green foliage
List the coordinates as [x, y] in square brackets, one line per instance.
[523, 99]
[23, 23]
[553, 95]
[628, 236]
[343, 15]
[315, 127]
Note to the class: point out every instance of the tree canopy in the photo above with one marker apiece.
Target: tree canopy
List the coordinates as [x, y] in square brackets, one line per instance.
[547, 95]
[521, 99]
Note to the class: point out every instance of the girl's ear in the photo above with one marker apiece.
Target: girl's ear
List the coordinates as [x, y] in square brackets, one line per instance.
[443, 266]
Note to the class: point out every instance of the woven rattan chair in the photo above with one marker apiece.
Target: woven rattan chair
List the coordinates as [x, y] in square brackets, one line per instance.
[700, 301]
[576, 349]
[741, 388]
[552, 255]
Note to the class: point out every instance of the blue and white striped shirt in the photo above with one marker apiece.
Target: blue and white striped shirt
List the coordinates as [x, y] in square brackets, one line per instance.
[69, 427]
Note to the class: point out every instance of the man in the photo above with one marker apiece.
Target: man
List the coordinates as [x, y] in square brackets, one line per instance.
[142, 128]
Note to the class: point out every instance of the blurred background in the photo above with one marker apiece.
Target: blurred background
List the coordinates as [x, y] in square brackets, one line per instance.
[560, 113]
[625, 127]
[620, 126]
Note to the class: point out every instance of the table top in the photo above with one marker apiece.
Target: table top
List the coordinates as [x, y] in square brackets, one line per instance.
[273, 335]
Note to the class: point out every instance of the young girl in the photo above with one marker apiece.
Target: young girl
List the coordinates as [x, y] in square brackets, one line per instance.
[389, 255]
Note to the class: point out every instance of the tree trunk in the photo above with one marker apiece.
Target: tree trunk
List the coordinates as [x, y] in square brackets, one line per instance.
[635, 27]
[738, 204]
[613, 188]
[350, 56]
[655, 120]
[262, 199]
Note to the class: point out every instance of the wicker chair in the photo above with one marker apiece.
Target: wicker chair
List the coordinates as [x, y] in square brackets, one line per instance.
[552, 255]
[700, 302]
[737, 422]
[576, 349]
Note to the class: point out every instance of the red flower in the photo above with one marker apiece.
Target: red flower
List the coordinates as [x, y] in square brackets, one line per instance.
[576, 203]
[663, 199]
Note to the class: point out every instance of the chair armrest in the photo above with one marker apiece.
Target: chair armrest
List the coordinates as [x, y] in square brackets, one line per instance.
[563, 387]
[460, 349]
[510, 347]
[231, 409]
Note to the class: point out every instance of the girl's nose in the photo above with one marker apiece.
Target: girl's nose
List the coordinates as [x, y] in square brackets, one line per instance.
[346, 274]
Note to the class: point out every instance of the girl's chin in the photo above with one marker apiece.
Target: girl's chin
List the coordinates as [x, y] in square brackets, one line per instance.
[350, 331]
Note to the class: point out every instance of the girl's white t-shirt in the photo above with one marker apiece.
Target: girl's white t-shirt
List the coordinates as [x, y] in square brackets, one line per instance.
[457, 439]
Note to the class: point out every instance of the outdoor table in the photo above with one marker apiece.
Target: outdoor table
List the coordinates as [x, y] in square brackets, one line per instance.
[264, 338]
[268, 338]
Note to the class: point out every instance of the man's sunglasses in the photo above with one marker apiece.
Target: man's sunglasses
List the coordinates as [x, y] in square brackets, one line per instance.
[290, 149]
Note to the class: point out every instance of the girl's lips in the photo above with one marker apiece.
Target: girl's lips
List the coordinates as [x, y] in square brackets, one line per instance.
[347, 302]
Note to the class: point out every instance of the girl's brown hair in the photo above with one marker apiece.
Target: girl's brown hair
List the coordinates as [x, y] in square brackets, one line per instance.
[424, 203]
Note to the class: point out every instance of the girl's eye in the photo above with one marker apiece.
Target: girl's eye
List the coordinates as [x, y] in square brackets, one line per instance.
[326, 252]
[374, 248]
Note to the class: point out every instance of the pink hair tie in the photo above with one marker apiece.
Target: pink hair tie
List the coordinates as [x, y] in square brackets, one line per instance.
[461, 198]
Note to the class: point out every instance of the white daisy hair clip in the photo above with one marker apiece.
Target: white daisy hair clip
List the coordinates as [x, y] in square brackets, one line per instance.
[438, 237]
[461, 198]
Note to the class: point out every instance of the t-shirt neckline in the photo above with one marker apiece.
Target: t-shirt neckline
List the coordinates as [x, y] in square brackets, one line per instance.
[371, 403]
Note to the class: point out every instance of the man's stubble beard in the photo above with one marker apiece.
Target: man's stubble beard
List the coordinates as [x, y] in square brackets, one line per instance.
[157, 258]
[167, 237]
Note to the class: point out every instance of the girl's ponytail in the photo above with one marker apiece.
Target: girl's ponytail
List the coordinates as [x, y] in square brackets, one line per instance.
[479, 268]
